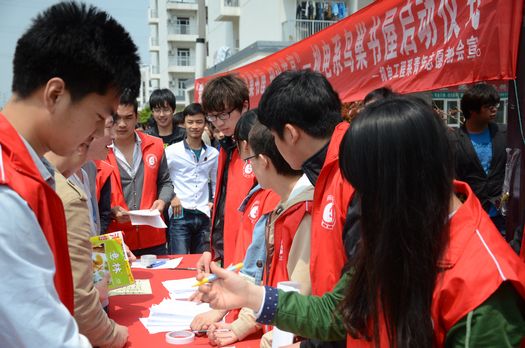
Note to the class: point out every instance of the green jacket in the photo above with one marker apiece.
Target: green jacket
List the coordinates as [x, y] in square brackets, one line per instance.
[498, 322]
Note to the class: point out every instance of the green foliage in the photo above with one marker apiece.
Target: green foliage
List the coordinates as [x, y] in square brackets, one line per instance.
[144, 114]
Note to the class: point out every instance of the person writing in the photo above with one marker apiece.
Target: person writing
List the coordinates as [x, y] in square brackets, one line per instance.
[431, 269]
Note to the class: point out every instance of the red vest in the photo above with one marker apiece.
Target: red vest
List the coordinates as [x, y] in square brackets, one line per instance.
[285, 228]
[332, 195]
[104, 170]
[240, 181]
[20, 173]
[261, 202]
[139, 237]
[476, 262]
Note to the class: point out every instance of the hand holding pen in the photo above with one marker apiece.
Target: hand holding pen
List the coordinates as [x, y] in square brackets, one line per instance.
[213, 277]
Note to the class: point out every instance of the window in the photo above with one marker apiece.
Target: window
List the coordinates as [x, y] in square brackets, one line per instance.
[182, 84]
[183, 56]
[183, 25]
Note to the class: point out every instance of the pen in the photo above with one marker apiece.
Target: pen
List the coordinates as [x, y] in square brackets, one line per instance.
[214, 277]
[206, 331]
[185, 268]
[157, 264]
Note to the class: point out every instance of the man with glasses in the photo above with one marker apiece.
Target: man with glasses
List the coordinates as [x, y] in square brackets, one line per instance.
[479, 148]
[224, 100]
[162, 104]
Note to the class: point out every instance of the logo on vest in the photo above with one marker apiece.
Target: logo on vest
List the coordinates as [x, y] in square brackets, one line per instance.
[254, 212]
[329, 213]
[247, 170]
[151, 160]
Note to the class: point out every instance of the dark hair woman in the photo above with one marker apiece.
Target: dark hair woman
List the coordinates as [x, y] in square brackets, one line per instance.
[430, 270]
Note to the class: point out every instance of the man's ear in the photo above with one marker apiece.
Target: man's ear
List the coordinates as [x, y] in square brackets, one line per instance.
[264, 161]
[291, 134]
[54, 91]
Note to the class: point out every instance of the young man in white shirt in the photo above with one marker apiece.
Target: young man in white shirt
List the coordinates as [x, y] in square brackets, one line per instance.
[192, 165]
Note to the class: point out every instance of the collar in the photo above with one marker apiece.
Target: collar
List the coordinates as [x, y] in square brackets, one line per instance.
[312, 167]
[245, 201]
[187, 147]
[138, 142]
[46, 169]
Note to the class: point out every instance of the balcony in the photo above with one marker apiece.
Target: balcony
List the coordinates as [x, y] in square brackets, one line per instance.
[154, 43]
[182, 32]
[229, 11]
[180, 64]
[153, 15]
[299, 29]
[182, 5]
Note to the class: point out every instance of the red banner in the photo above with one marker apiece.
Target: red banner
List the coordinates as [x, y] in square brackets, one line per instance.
[409, 45]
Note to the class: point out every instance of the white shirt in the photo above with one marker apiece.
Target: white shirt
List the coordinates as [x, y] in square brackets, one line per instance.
[190, 175]
[132, 168]
[32, 314]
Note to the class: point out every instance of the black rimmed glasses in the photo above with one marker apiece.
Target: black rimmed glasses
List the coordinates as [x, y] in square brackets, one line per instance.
[492, 106]
[221, 116]
[249, 158]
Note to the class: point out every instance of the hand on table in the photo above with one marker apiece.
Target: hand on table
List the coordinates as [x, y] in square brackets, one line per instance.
[231, 291]
[204, 320]
[221, 338]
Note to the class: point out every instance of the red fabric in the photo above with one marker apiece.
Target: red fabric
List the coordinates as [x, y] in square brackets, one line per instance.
[127, 310]
[240, 181]
[331, 198]
[104, 170]
[407, 45]
[20, 173]
[262, 202]
[459, 290]
[285, 229]
[139, 237]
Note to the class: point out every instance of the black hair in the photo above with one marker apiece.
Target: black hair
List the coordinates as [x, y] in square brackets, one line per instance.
[379, 94]
[303, 98]
[405, 196]
[481, 94]
[160, 97]
[227, 91]
[80, 44]
[127, 98]
[245, 125]
[262, 142]
[193, 109]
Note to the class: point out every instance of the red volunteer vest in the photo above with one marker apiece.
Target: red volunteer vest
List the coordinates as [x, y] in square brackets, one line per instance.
[240, 181]
[475, 244]
[104, 170]
[20, 174]
[260, 203]
[332, 195]
[139, 237]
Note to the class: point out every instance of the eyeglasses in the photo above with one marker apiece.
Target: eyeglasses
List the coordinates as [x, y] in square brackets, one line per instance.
[249, 159]
[164, 110]
[492, 106]
[221, 116]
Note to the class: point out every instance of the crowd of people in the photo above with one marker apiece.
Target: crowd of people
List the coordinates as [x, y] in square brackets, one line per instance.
[391, 226]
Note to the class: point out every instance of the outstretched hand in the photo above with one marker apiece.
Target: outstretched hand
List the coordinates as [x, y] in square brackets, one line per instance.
[231, 291]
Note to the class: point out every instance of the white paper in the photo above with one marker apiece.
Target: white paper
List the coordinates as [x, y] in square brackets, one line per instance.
[180, 289]
[146, 217]
[169, 264]
[172, 315]
[283, 338]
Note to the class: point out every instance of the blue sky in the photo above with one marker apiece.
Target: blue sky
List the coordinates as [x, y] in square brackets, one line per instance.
[17, 15]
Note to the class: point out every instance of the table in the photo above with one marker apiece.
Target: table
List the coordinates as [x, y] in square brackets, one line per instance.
[126, 310]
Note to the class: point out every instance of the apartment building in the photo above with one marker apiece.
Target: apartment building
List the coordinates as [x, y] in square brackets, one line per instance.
[238, 32]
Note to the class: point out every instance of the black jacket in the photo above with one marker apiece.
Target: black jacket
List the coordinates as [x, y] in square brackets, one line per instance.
[178, 133]
[487, 187]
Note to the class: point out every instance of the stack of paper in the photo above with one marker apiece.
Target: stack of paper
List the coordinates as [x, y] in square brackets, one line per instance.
[180, 289]
[170, 263]
[146, 217]
[172, 315]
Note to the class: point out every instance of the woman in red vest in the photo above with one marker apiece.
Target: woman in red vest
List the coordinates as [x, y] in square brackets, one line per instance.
[431, 270]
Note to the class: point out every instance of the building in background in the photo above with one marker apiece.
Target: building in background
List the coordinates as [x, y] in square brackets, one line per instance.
[238, 32]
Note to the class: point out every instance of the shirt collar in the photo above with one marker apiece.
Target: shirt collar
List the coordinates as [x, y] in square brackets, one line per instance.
[187, 147]
[46, 169]
[312, 167]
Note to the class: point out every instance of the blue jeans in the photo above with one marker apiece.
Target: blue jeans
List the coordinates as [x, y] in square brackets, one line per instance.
[186, 234]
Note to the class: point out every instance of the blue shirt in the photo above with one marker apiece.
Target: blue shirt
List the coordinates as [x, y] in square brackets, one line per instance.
[482, 143]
